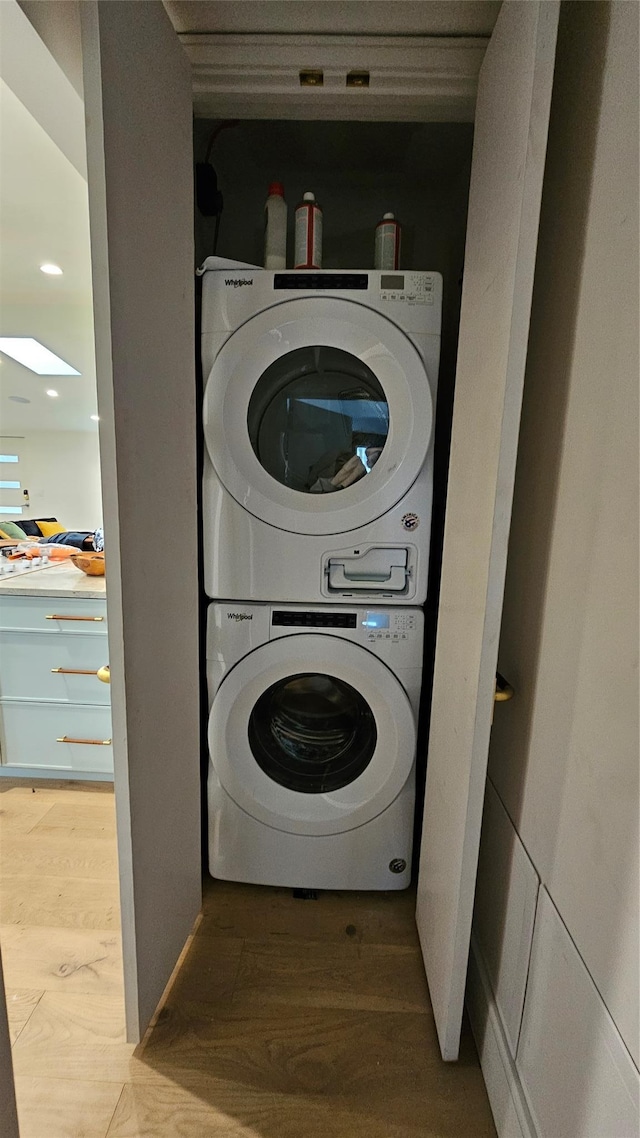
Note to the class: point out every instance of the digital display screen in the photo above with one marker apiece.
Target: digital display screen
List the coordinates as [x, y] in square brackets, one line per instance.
[391, 282]
[376, 620]
[307, 280]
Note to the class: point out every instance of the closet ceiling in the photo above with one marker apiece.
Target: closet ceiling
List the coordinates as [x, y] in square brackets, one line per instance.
[336, 17]
[374, 61]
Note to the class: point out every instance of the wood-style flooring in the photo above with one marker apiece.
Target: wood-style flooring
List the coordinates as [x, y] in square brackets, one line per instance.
[288, 1019]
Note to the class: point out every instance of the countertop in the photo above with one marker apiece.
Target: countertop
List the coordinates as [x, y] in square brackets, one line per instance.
[59, 580]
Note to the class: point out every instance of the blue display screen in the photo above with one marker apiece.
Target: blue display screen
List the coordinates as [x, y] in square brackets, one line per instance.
[376, 620]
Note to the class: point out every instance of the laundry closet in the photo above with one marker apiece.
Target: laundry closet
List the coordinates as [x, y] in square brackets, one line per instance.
[312, 741]
[421, 166]
[468, 197]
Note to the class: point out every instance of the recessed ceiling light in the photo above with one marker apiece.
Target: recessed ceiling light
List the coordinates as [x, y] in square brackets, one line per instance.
[96, 418]
[19, 399]
[35, 356]
[52, 393]
[51, 270]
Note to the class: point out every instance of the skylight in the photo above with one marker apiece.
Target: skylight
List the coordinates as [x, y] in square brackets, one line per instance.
[35, 356]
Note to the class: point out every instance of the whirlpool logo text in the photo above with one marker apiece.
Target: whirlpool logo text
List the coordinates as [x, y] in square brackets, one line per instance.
[239, 616]
[238, 282]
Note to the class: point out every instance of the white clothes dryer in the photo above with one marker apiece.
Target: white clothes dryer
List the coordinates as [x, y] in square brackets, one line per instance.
[318, 422]
[312, 742]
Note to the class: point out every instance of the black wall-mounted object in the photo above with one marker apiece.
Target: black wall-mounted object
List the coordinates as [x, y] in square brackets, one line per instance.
[208, 197]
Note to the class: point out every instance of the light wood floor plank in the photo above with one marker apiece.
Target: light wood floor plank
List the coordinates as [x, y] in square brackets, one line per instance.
[75, 1036]
[230, 909]
[93, 819]
[47, 855]
[21, 1003]
[65, 1108]
[380, 1068]
[77, 960]
[215, 1109]
[59, 901]
[363, 977]
[19, 814]
[60, 789]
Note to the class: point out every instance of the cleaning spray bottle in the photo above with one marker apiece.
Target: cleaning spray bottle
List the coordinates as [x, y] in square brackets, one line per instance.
[308, 248]
[387, 248]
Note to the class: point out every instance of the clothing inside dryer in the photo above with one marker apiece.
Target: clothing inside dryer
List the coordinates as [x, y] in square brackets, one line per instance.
[318, 419]
[312, 733]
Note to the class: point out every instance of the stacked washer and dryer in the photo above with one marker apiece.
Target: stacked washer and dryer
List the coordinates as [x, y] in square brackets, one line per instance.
[320, 390]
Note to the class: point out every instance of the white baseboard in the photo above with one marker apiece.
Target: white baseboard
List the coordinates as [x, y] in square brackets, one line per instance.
[510, 1112]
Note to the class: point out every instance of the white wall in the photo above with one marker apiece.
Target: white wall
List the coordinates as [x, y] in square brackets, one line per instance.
[57, 22]
[63, 477]
[564, 753]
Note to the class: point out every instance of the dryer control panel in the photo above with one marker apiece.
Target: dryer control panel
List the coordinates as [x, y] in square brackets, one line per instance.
[381, 624]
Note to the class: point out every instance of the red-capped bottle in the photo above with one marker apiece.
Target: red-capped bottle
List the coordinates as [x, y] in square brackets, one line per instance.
[387, 248]
[308, 245]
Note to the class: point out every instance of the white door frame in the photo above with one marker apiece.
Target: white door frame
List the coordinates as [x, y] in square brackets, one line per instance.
[139, 159]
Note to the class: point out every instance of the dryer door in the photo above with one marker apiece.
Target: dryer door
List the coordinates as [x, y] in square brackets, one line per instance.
[312, 735]
[318, 415]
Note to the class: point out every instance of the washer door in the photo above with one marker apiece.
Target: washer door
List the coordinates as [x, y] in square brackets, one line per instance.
[312, 735]
[318, 415]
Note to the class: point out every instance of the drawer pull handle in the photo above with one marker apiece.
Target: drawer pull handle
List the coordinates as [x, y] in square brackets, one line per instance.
[61, 616]
[90, 742]
[72, 672]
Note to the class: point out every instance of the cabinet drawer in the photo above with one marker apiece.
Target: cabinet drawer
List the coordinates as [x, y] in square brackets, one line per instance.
[79, 616]
[30, 734]
[35, 665]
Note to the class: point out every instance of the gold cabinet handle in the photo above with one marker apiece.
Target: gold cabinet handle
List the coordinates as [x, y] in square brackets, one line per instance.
[104, 674]
[504, 690]
[88, 742]
[62, 616]
[72, 672]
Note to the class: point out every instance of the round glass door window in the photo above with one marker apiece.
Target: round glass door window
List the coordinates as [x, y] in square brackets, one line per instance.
[318, 419]
[312, 733]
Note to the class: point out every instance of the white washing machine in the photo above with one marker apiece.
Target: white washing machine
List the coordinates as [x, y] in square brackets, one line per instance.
[312, 738]
[318, 422]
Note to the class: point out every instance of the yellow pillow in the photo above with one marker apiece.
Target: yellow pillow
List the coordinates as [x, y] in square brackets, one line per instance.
[48, 529]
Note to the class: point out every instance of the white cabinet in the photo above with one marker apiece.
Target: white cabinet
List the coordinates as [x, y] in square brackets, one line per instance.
[504, 914]
[55, 719]
[575, 1070]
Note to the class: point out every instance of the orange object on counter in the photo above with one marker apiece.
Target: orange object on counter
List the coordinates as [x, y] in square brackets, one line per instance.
[54, 552]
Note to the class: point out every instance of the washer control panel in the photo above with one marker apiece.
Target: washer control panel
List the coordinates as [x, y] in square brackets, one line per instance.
[390, 626]
[410, 288]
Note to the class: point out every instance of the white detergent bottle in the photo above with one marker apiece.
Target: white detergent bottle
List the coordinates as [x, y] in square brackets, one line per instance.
[275, 230]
